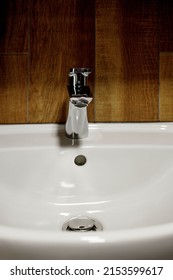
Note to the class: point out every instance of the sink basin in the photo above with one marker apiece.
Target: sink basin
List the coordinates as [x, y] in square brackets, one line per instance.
[125, 183]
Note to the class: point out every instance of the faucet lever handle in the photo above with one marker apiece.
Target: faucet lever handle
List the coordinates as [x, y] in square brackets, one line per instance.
[78, 76]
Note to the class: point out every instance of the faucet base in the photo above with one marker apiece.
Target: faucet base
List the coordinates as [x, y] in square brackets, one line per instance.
[75, 136]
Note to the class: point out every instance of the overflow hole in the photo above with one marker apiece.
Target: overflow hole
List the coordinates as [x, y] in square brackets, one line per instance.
[80, 160]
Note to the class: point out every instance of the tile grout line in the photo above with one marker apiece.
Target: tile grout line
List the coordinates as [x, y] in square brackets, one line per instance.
[13, 53]
[28, 68]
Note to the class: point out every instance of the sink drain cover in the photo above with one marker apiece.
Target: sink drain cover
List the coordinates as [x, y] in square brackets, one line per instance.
[82, 224]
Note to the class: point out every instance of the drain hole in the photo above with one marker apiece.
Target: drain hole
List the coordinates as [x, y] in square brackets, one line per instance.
[82, 224]
[80, 160]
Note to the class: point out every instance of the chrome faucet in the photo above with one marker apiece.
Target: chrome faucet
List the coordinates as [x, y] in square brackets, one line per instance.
[80, 96]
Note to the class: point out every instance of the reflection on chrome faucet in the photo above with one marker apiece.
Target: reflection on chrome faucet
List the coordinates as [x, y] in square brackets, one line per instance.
[80, 96]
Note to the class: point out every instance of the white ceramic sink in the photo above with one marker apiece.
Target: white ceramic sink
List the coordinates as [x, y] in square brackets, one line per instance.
[126, 184]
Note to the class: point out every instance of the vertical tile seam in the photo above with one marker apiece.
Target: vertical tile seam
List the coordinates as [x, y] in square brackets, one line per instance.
[158, 23]
[95, 56]
[28, 62]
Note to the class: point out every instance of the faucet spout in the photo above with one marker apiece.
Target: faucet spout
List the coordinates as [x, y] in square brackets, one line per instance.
[79, 98]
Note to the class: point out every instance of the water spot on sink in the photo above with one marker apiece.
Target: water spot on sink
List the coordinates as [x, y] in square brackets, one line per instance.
[80, 160]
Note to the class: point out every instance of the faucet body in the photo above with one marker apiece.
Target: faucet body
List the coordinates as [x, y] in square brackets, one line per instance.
[79, 97]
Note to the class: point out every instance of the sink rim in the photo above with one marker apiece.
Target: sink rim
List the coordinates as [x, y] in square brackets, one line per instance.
[112, 236]
[117, 126]
[100, 137]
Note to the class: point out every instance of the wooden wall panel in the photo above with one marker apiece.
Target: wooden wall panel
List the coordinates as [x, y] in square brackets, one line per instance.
[166, 87]
[48, 37]
[127, 60]
[13, 88]
[14, 26]
[62, 37]
[166, 25]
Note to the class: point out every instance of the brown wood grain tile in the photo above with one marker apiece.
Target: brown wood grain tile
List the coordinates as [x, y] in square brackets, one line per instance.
[126, 60]
[166, 25]
[62, 37]
[166, 87]
[14, 26]
[13, 89]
